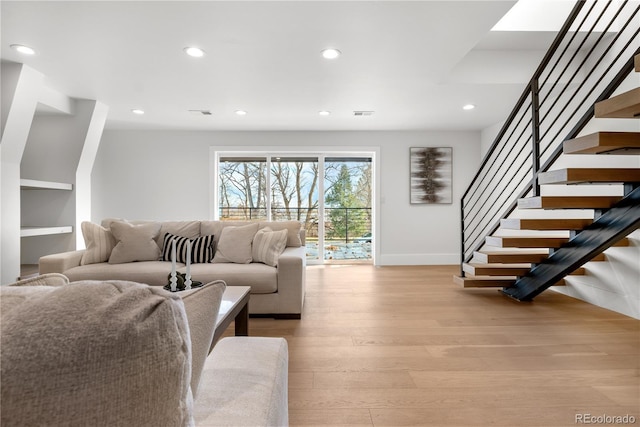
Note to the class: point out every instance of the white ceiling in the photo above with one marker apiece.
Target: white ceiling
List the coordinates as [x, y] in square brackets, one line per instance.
[414, 63]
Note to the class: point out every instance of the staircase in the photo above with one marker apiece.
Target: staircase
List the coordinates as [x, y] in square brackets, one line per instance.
[524, 273]
[532, 240]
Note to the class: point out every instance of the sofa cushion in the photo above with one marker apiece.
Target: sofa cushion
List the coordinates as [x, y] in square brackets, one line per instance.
[202, 306]
[190, 229]
[134, 242]
[268, 245]
[150, 272]
[293, 230]
[201, 248]
[99, 243]
[245, 384]
[90, 354]
[262, 278]
[235, 244]
[216, 227]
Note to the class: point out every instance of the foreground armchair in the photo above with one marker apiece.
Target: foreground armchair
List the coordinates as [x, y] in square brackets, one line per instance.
[116, 353]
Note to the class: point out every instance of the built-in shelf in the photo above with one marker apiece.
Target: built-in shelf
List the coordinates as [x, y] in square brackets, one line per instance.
[32, 184]
[44, 231]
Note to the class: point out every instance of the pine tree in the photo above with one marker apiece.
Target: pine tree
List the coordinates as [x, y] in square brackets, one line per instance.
[340, 197]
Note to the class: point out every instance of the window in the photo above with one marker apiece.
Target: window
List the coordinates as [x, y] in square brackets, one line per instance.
[243, 192]
[284, 187]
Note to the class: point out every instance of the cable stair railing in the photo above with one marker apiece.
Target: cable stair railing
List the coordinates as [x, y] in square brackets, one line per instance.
[592, 56]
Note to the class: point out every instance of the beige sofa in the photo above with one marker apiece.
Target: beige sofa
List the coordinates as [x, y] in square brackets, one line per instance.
[90, 353]
[276, 290]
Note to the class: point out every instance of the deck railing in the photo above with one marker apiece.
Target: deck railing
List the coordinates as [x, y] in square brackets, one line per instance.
[590, 57]
[341, 224]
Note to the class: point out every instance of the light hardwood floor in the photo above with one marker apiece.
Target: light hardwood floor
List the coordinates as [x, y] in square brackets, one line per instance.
[396, 346]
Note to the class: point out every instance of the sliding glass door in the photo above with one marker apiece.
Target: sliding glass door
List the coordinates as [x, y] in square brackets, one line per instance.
[338, 225]
[347, 208]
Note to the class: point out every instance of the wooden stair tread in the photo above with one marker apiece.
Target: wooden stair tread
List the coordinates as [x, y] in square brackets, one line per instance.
[604, 143]
[625, 105]
[502, 270]
[621, 243]
[545, 223]
[526, 241]
[506, 257]
[589, 175]
[483, 282]
[519, 256]
[477, 269]
[489, 282]
[568, 202]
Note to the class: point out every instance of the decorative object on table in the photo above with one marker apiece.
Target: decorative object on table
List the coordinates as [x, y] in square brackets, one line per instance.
[180, 283]
[431, 171]
[172, 276]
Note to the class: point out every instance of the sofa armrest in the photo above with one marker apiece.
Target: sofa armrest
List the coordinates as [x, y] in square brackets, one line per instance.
[59, 263]
[291, 279]
[245, 383]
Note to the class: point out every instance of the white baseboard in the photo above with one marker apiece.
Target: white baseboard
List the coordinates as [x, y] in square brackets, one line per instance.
[419, 259]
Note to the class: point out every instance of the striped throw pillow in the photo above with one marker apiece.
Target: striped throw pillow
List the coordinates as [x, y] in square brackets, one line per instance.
[268, 245]
[99, 243]
[201, 248]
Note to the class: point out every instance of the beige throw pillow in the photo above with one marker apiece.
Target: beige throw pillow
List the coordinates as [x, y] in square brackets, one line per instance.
[95, 354]
[293, 228]
[99, 242]
[268, 245]
[235, 244]
[134, 242]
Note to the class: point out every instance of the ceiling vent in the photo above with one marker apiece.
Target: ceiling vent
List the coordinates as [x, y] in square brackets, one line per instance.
[200, 112]
[362, 113]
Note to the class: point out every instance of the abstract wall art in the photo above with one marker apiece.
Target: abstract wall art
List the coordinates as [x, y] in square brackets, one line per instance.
[431, 174]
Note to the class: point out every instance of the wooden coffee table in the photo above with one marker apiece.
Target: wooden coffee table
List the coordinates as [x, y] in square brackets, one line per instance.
[233, 308]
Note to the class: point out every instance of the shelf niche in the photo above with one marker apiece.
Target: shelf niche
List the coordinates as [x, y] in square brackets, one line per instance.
[32, 184]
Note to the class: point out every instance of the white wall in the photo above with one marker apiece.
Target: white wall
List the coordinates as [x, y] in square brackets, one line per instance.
[21, 87]
[165, 175]
[487, 136]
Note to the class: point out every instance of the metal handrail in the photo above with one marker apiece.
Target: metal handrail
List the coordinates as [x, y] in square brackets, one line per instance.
[343, 224]
[580, 58]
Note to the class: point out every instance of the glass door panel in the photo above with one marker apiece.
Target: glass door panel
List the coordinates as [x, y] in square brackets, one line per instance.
[347, 209]
[242, 188]
[294, 196]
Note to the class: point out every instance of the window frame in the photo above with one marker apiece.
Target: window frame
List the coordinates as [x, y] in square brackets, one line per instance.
[321, 153]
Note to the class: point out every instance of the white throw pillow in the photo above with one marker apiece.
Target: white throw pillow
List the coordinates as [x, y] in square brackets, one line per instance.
[268, 245]
[235, 244]
[99, 242]
[134, 242]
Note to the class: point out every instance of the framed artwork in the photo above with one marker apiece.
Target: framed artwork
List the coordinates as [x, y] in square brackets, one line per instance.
[431, 175]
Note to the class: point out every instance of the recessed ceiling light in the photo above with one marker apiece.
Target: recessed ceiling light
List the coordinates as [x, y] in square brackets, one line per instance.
[468, 107]
[324, 113]
[137, 111]
[331, 53]
[241, 112]
[23, 49]
[196, 52]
